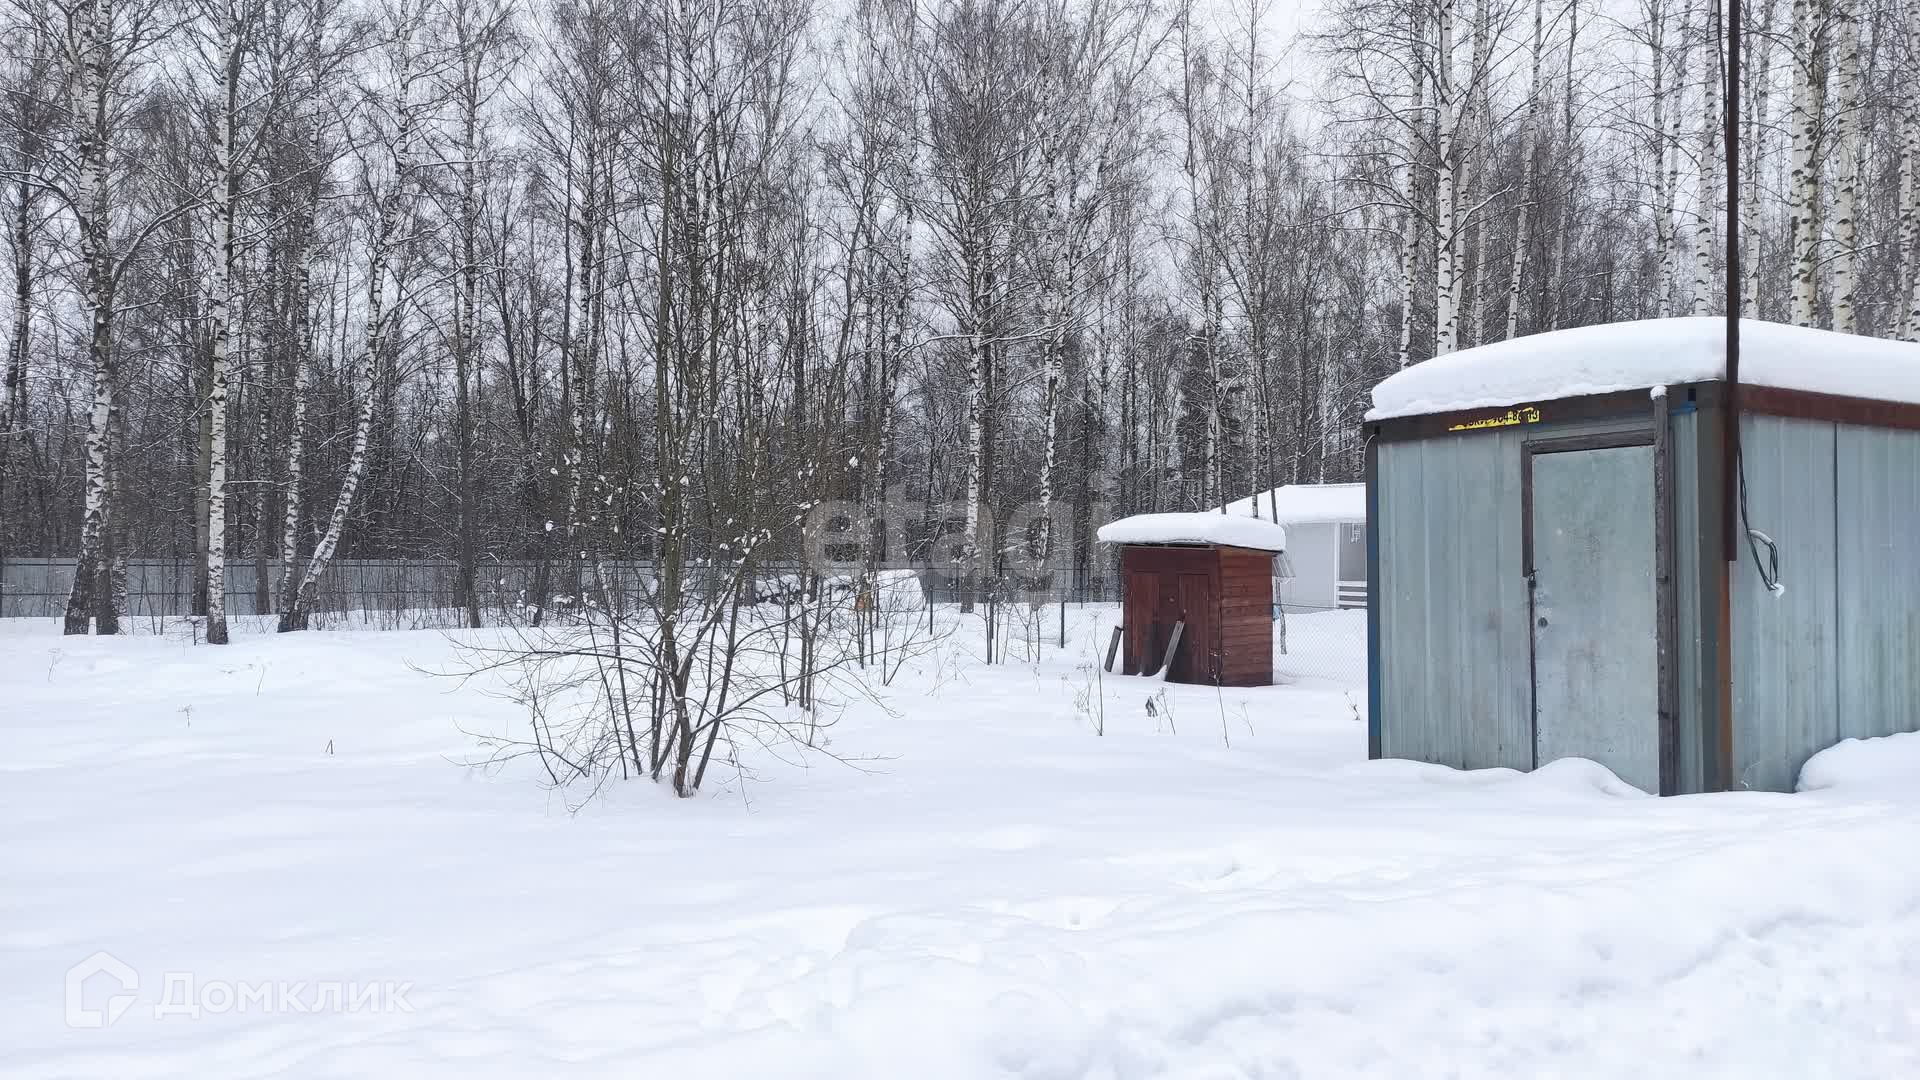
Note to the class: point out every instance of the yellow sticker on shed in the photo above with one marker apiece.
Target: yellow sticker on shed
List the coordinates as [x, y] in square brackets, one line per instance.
[1526, 414]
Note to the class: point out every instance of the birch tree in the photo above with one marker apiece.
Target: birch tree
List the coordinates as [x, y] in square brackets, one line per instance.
[1558, 291]
[1529, 149]
[393, 207]
[305, 163]
[1448, 103]
[1666, 163]
[105, 49]
[976, 77]
[1707, 195]
[1907, 290]
[230, 40]
[1808, 49]
[234, 24]
[1754, 133]
[1846, 157]
[680, 276]
[1410, 219]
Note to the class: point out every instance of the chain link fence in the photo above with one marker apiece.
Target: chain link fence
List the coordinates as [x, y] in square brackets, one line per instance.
[420, 589]
[1310, 641]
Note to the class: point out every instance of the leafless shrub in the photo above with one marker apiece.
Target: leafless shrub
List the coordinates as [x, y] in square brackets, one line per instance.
[653, 691]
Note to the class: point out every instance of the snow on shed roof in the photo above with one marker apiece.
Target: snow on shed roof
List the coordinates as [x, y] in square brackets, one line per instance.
[1652, 352]
[1306, 504]
[1226, 530]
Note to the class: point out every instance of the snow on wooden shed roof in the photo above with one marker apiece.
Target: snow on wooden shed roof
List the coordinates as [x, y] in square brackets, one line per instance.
[1306, 504]
[1653, 352]
[1225, 530]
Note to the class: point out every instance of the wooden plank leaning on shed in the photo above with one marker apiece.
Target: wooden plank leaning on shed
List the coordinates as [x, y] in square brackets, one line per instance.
[1173, 649]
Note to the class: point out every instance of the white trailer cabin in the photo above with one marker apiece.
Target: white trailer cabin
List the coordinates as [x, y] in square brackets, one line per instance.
[1325, 564]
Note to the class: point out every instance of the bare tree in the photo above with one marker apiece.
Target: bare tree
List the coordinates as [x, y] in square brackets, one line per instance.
[406, 106]
[28, 120]
[326, 40]
[482, 36]
[645, 286]
[105, 48]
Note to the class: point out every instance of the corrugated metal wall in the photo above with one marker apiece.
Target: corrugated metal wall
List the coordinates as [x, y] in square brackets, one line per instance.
[1835, 655]
[1877, 500]
[1693, 657]
[1454, 633]
[1785, 681]
[1454, 682]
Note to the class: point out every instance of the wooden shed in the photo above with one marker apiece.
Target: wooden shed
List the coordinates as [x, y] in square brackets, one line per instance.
[1206, 577]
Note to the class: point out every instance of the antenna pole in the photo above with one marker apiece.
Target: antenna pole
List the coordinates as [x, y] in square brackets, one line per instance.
[1730, 449]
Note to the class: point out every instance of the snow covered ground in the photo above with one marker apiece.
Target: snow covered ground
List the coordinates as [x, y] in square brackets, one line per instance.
[983, 888]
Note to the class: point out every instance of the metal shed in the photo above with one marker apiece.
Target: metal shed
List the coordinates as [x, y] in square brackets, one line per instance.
[1558, 570]
[1199, 596]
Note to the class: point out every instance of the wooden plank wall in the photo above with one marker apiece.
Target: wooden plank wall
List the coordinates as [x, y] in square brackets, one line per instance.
[1246, 617]
[1232, 639]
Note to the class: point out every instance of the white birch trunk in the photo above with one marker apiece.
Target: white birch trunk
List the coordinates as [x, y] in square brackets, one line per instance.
[1217, 390]
[295, 617]
[581, 353]
[1176, 460]
[1754, 132]
[1472, 297]
[1907, 291]
[219, 317]
[1559, 285]
[1051, 373]
[1804, 179]
[976, 439]
[467, 287]
[113, 607]
[1410, 219]
[1707, 197]
[92, 108]
[1054, 301]
[1446, 197]
[896, 354]
[303, 340]
[1846, 199]
[1907, 296]
[1670, 205]
[1529, 147]
[1666, 134]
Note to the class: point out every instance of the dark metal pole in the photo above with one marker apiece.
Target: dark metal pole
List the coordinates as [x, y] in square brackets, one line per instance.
[1730, 413]
[1721, 747]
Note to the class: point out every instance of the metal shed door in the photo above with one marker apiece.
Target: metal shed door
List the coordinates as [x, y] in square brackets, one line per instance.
[1595, 630]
